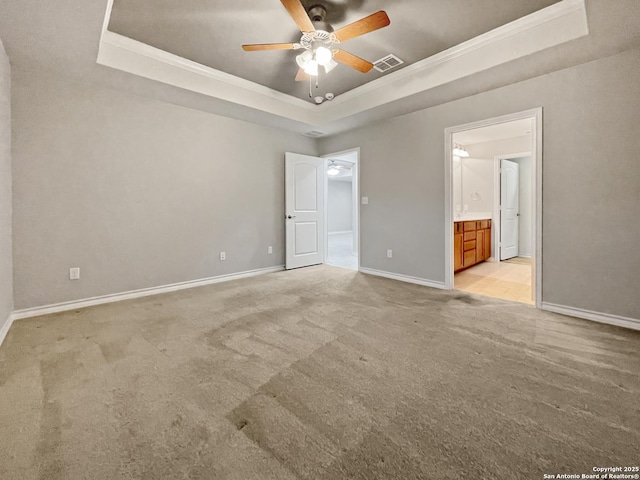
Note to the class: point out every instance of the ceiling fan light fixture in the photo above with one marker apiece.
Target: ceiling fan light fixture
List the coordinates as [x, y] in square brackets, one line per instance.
[303, 59]
[311, 68]
[323, 56]
[330, 65]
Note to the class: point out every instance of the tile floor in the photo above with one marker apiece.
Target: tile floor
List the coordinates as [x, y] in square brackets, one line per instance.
[509, 280]
[341, 252]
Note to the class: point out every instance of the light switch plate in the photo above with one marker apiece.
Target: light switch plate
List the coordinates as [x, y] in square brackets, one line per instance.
[365, 200]
[74, 273]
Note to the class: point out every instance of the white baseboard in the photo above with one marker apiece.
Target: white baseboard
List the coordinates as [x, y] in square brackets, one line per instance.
[145, 292]
[340, 233]
[593, 316]
[5, 328]
[404, 278]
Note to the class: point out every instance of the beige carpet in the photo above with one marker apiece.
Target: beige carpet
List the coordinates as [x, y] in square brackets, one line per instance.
[318, 373]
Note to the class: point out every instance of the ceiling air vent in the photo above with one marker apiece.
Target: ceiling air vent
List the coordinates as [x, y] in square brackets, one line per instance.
[314, 134]
[387, 63]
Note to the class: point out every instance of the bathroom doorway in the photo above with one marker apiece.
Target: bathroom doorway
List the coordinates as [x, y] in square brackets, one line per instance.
[493, 206]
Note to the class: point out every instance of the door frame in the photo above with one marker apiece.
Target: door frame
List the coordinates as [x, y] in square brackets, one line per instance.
[496, 196]
[536, 156]
[356, 196]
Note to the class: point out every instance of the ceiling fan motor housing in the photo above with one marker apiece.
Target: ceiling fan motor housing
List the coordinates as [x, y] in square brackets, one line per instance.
[319, 38]
[318, 14]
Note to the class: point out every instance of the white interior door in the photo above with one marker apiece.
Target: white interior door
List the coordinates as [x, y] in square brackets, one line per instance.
[509, 208]
[304, 210]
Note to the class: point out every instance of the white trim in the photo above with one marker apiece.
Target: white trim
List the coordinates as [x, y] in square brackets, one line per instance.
[404, 278]
[536, 158]
[4, 331]
[131, 56]
[340, 233]
[107, 18]
[134, 46]
[554, 25]
[536, 188]
[599, 317]
[145, 292]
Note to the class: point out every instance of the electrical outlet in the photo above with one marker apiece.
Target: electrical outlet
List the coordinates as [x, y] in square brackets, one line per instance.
[74, 273]
[223, 255]
[269, 249]
[389, 253]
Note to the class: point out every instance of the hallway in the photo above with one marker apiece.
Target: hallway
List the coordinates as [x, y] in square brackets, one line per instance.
[340, 252]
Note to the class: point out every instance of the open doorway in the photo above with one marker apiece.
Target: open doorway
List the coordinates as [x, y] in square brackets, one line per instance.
[493, 205]
[342, 239]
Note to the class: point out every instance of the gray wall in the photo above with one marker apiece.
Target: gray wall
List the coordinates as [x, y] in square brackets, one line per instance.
[340, 206]
[591, 182]
[6, 262]
[137, 193]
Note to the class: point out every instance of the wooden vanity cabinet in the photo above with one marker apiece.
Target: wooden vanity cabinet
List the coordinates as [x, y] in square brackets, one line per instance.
[457, 246]
[471, 243]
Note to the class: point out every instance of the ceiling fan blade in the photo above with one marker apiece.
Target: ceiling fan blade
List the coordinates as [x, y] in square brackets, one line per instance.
[299, 15]
[352, 61]
[368, 24]
[268, 46]
[302, 76]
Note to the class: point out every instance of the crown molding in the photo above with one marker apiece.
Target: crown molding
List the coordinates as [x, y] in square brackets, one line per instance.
[123, 53]
[552, 26]
[557, 24]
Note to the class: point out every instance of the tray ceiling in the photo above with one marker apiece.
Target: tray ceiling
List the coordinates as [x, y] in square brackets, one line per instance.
[211, 32]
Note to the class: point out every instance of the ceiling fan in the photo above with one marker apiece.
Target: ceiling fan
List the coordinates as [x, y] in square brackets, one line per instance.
[319, 41]
[335, 169]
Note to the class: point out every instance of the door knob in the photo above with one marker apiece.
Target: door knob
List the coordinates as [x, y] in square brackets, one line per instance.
[291, 216]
